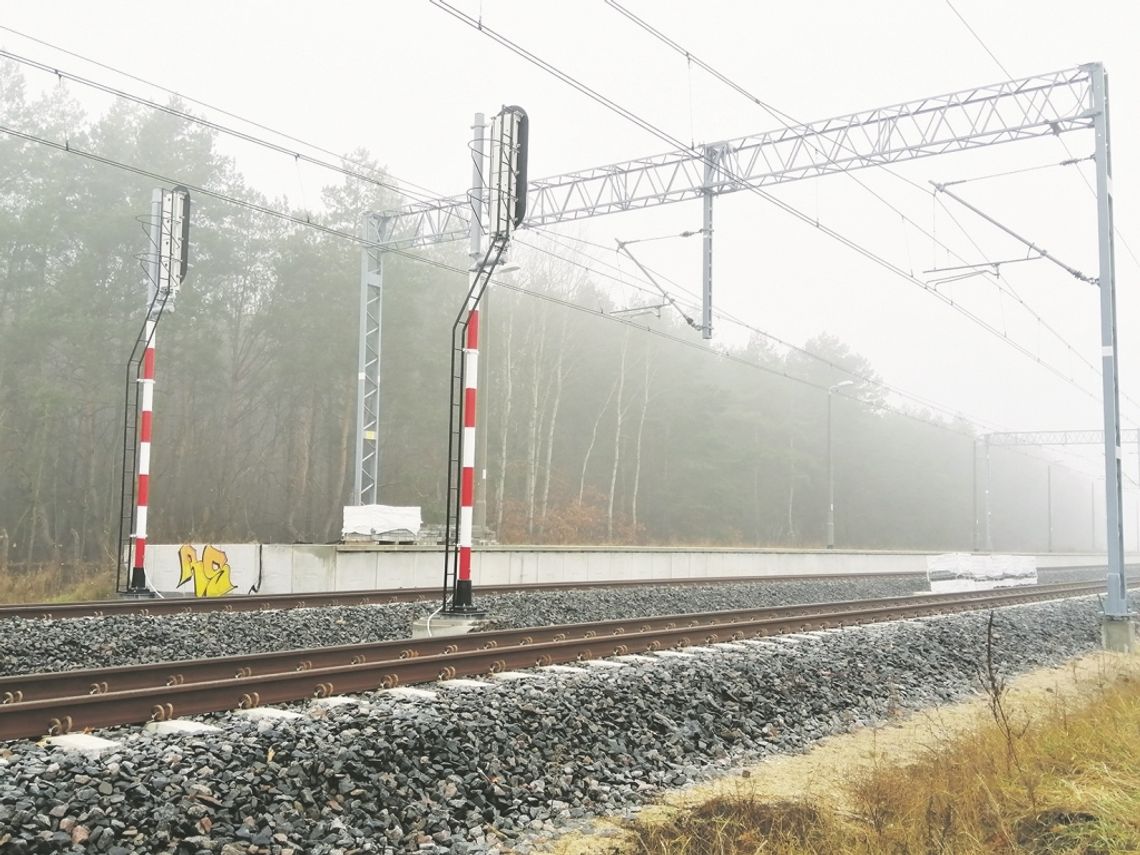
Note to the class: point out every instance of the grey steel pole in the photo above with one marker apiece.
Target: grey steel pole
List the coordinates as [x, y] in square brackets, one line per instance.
[831, 485]
[830, 470]
[357, 477]
[1116, 603]
[366, 481]
[974, 492]
[986, 496]
[707, 245]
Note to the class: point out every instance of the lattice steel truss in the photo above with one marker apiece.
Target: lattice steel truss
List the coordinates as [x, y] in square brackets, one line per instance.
[1057, 437]
[1000, 439]
[1037, 106]
[373, 228]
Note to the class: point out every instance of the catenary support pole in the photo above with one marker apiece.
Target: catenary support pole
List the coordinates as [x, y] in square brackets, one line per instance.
[830, 469]
[1116, 603]
[365, 483]
[974, 491]
[1049, 505]
[830, 481]
[707, 245]
[986, 496]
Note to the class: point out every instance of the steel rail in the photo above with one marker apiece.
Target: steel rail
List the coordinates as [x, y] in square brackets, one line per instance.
[188, 605]
[37, 686]
[57, 715]
[185, 605]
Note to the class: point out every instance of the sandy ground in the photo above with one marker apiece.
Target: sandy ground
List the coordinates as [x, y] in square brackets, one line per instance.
[822, 772]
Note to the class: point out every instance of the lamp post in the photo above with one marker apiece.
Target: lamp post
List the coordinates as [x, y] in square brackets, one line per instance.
[830, 471]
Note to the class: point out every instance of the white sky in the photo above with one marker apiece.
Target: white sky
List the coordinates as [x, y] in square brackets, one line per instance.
[404, 78]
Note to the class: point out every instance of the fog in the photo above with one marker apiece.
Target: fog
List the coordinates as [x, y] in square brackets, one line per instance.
[254, 400]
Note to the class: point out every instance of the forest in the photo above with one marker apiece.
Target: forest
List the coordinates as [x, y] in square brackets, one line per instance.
[603, 426]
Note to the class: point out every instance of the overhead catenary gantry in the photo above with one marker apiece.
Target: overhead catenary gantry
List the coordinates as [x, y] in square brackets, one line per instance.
[1028, 108]
[1039, 438]
[1033, 107]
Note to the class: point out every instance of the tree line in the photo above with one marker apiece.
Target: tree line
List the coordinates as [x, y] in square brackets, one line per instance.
[601, 427]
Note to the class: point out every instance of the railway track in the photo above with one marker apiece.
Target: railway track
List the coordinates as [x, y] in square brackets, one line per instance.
[188, 605]
[59, 702]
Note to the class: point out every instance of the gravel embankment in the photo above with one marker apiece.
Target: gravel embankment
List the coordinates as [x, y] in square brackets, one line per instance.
[55, 645]
[485, 769]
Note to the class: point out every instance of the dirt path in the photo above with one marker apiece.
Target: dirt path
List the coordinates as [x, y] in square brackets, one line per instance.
[822, 772]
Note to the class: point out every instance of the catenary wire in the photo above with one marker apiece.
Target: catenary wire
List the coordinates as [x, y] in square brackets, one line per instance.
[221, 128]
[237, 133]
[788, 122]
[426, 190]
[265, 210]
[206, 123]
[779, 203]
[735, 358]
[402, 188]
[1060, 139]
[359, 241]
[1070, 162]
[728, 317]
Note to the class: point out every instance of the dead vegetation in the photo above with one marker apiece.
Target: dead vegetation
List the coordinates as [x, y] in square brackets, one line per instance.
[1055, 773]
[56, 583]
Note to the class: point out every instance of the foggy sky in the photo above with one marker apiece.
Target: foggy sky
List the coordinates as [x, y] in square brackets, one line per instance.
[404, 79]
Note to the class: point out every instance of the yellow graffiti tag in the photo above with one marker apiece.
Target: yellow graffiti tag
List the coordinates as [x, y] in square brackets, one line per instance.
[211, 575]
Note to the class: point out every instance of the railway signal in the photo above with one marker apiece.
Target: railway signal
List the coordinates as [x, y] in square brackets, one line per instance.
[505, 210]
[167, 260]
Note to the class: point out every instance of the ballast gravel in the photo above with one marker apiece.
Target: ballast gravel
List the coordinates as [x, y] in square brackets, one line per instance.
[29, 646]
[479, 770]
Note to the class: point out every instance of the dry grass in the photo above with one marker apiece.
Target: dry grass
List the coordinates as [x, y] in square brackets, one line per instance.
[1059, 776]
[49, 583]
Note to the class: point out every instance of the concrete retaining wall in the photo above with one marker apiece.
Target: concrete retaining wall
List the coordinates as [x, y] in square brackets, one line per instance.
[232, 569]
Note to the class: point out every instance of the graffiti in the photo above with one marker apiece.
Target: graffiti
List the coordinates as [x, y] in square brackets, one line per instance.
[211, 574]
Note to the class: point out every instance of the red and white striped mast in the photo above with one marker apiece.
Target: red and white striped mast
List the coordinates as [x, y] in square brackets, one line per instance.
[166, 267]
[142, 495]
[467, 474]
[462, 600]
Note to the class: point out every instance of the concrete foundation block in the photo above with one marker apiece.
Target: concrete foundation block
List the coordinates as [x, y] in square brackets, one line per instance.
[410, 693]
[180, 725]
[269, 713]
[83, 743]
[508, 676]
[1118, 634]
[442, 625]
[463, 683]
[335, 701]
